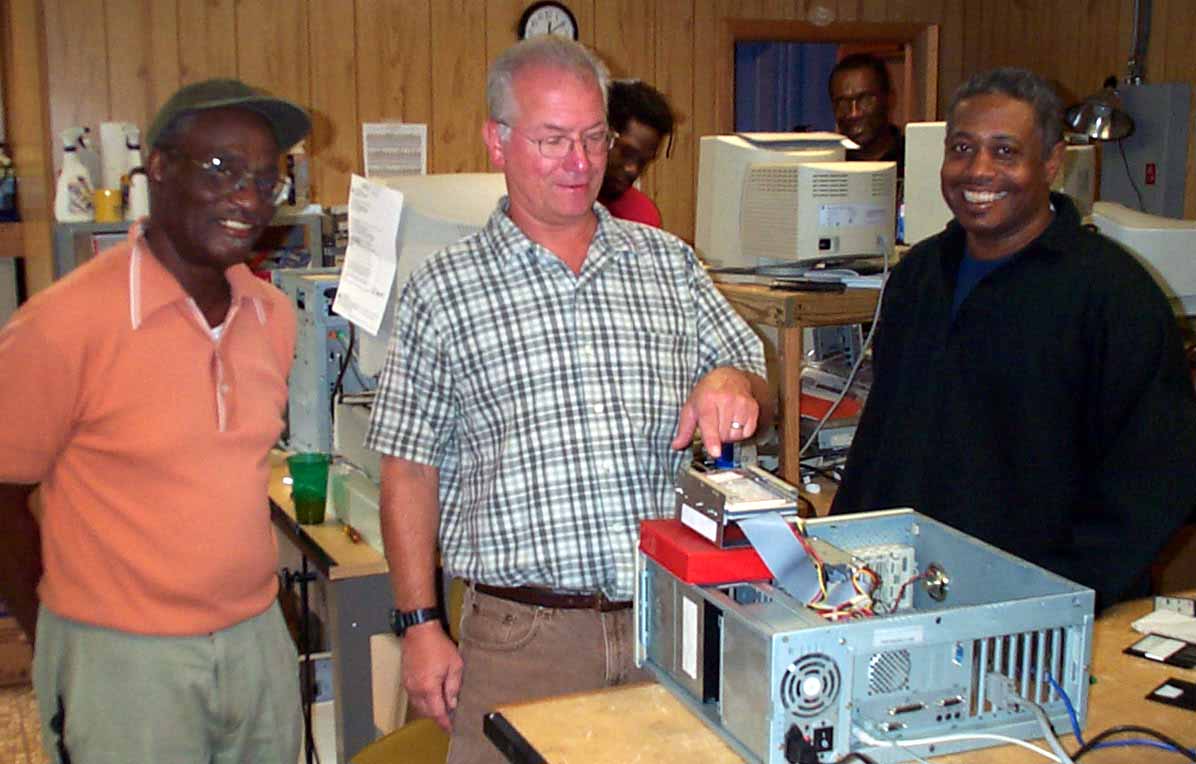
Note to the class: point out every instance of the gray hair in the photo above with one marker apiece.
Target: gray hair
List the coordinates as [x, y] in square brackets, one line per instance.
[548, 50]
[1022, 85]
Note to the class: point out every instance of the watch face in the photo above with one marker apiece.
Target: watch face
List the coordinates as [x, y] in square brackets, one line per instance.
[548, 18]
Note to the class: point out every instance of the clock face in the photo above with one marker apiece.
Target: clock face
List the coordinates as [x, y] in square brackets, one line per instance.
[548, 18]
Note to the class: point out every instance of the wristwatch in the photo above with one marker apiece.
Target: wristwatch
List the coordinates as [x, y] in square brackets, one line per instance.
[401, 620]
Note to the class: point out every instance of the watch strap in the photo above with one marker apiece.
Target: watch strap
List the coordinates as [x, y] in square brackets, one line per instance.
[401, 620]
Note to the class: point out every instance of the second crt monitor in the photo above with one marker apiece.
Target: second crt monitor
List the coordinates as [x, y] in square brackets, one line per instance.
[775, 199]
[1162, 245]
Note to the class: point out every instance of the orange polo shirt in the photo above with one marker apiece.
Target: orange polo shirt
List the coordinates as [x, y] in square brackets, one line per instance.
[150, 441]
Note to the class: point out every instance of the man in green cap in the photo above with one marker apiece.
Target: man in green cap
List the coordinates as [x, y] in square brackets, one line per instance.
[141, 395]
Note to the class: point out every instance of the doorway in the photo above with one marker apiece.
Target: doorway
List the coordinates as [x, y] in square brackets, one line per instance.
[782, 86]
[910, 50]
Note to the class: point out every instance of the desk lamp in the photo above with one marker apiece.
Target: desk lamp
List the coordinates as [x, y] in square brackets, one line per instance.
[1099, 117]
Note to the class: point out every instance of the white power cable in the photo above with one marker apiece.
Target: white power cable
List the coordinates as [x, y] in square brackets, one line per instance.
[867, 739]
[1048, 732]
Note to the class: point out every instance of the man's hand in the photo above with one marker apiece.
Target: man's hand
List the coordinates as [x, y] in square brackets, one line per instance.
[431, 672]
[723, 407]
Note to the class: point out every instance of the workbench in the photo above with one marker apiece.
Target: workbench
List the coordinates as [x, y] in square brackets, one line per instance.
[647, 723]
[791, 311]
[359, 601]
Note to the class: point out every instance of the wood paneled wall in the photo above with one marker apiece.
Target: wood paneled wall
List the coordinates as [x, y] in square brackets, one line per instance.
[27, 124]
[354, 61]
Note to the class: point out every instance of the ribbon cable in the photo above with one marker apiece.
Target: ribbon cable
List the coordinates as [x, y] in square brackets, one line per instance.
[792, 568]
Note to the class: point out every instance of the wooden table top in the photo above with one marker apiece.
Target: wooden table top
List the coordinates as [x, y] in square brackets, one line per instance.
[759, 303]
[647, 723]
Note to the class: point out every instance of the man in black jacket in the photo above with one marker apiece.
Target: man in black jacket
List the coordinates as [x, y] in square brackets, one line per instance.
[1029, 384]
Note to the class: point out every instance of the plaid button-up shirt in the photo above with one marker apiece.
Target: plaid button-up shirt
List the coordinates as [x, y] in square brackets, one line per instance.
[548, 399]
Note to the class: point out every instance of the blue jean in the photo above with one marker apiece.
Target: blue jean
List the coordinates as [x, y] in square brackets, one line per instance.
[112, 697]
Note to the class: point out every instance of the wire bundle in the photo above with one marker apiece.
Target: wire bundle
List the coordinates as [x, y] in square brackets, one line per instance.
[1159, 739]
[866, 583]
[863, 580]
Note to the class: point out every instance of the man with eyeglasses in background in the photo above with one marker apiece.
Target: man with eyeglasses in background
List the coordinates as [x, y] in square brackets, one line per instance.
[862, 97]
[544, 384]
[141, 395]
[641, 119]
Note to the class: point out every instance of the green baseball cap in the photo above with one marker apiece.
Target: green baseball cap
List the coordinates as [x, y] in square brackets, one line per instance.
[289, 122]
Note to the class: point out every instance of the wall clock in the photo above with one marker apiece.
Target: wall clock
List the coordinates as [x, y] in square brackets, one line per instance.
[547, 17]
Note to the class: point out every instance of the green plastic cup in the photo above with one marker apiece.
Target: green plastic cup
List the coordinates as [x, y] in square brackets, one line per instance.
[309, 486]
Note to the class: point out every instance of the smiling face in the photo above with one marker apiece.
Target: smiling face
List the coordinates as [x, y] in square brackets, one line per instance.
[996, 175]
[634, 149]
[861, 107]
[208, 229]
[548, 193]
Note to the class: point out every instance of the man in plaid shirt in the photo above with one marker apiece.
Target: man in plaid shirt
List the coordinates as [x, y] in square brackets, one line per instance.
[546, 379]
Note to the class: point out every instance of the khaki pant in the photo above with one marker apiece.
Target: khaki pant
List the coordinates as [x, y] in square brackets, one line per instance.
[110, 697]
[515, 652]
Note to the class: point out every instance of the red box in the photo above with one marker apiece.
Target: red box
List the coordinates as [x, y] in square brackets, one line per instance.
[695, 560]
[816, 406]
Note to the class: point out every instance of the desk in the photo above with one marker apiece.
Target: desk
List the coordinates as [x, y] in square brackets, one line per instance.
[359, 602]
[791, 312]
[646, 723]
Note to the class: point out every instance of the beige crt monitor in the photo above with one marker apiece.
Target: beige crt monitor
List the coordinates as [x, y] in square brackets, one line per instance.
[1162, 245]
[817, 211]
[1077, 176]
[925, 211]
[724, 164]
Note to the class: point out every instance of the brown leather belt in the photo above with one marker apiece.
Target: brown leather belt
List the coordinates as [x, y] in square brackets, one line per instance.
[534, 595]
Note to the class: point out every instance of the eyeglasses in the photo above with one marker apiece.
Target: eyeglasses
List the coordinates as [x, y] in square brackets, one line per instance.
[223, 177]
[595, 143]
[862, 101]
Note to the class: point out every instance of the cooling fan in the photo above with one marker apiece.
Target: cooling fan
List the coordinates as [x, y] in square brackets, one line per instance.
[810, 685]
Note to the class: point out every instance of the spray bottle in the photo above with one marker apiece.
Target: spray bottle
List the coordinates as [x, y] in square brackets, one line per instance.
[138, 205]
[134, 183]
[72, 197]
[90, 158]
[297, 172]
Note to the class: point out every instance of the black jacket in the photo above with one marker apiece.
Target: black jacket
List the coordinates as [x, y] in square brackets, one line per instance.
[1053, 416]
